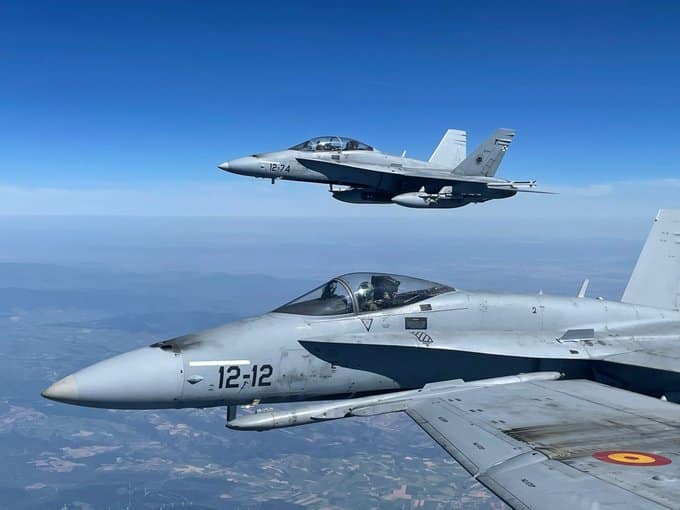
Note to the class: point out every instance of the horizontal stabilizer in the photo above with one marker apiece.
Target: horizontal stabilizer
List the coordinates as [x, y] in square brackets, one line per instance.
[451, 150]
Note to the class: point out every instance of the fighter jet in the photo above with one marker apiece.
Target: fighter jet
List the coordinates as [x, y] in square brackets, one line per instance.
[549, 401]
[360, 174]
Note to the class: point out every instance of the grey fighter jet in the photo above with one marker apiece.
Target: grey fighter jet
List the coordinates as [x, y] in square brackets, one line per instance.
[360, 174]
[478, 371]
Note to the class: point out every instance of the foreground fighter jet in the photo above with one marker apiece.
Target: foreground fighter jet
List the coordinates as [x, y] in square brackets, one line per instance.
[360, 174]
[478, 371]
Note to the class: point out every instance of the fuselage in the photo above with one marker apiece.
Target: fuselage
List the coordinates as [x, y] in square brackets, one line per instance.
[282, 357]
[464, 335]
[285, 165]
[368, 175]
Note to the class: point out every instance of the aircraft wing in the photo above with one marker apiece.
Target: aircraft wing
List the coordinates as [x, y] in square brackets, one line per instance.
[368, 175]
[561, 444]
[537, 442]
[337, 169]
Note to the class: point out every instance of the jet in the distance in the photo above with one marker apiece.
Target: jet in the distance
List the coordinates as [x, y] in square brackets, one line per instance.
[360, 174]
[478, 371]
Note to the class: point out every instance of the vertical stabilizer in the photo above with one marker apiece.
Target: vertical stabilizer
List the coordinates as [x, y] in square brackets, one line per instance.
[451, 149]
[656, 278]
[486, 158]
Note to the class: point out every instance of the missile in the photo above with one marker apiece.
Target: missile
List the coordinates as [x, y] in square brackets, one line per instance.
[271, 419]
[370, 406]
[511, 184]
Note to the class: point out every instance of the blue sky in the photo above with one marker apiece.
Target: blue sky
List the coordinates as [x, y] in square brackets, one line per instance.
[147, 97]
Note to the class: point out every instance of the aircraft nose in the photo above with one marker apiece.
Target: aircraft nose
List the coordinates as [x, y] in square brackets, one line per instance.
[62, 390]
[250, 165]
[147, 378]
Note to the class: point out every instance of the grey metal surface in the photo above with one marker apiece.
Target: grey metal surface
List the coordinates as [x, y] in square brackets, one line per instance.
[656, 278]
[451, 150]
[533, 443]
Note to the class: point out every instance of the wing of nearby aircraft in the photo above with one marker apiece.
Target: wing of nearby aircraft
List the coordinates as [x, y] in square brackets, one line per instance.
[561, 444]
[536, 442]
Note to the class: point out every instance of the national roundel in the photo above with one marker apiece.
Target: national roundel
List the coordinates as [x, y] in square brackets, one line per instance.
[631, 458]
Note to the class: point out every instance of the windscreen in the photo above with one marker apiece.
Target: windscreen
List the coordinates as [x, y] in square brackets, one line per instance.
[331, 143]
[331, 298]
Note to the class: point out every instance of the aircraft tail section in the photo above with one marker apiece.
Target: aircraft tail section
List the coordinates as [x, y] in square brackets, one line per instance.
[656, 278]
[488, 156]
[451, 150]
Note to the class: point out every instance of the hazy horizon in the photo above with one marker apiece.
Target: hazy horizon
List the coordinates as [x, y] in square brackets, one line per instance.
[468, 256]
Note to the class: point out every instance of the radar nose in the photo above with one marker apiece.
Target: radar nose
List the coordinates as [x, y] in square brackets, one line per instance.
[147, 378]
[63, 390]
[249, 165]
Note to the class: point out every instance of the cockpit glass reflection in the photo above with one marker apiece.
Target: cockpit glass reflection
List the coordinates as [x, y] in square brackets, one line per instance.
[331, 298]
[331, 143]
[371, 292]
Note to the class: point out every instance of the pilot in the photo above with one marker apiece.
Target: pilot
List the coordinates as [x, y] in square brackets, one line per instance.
[385, 291]
[329, 290]
[364, 295]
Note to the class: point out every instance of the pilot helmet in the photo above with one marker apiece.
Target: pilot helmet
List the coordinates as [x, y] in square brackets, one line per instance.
[364, 292]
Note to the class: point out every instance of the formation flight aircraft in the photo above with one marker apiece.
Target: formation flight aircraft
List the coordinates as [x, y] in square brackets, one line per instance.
[549, 401]
[360, 174]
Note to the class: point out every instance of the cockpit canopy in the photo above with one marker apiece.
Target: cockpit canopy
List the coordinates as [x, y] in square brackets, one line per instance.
[331, 143]
[363, 292]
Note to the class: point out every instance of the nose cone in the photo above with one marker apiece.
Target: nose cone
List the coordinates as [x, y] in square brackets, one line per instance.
[62, 390]
[147, 378]
[250, 165]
